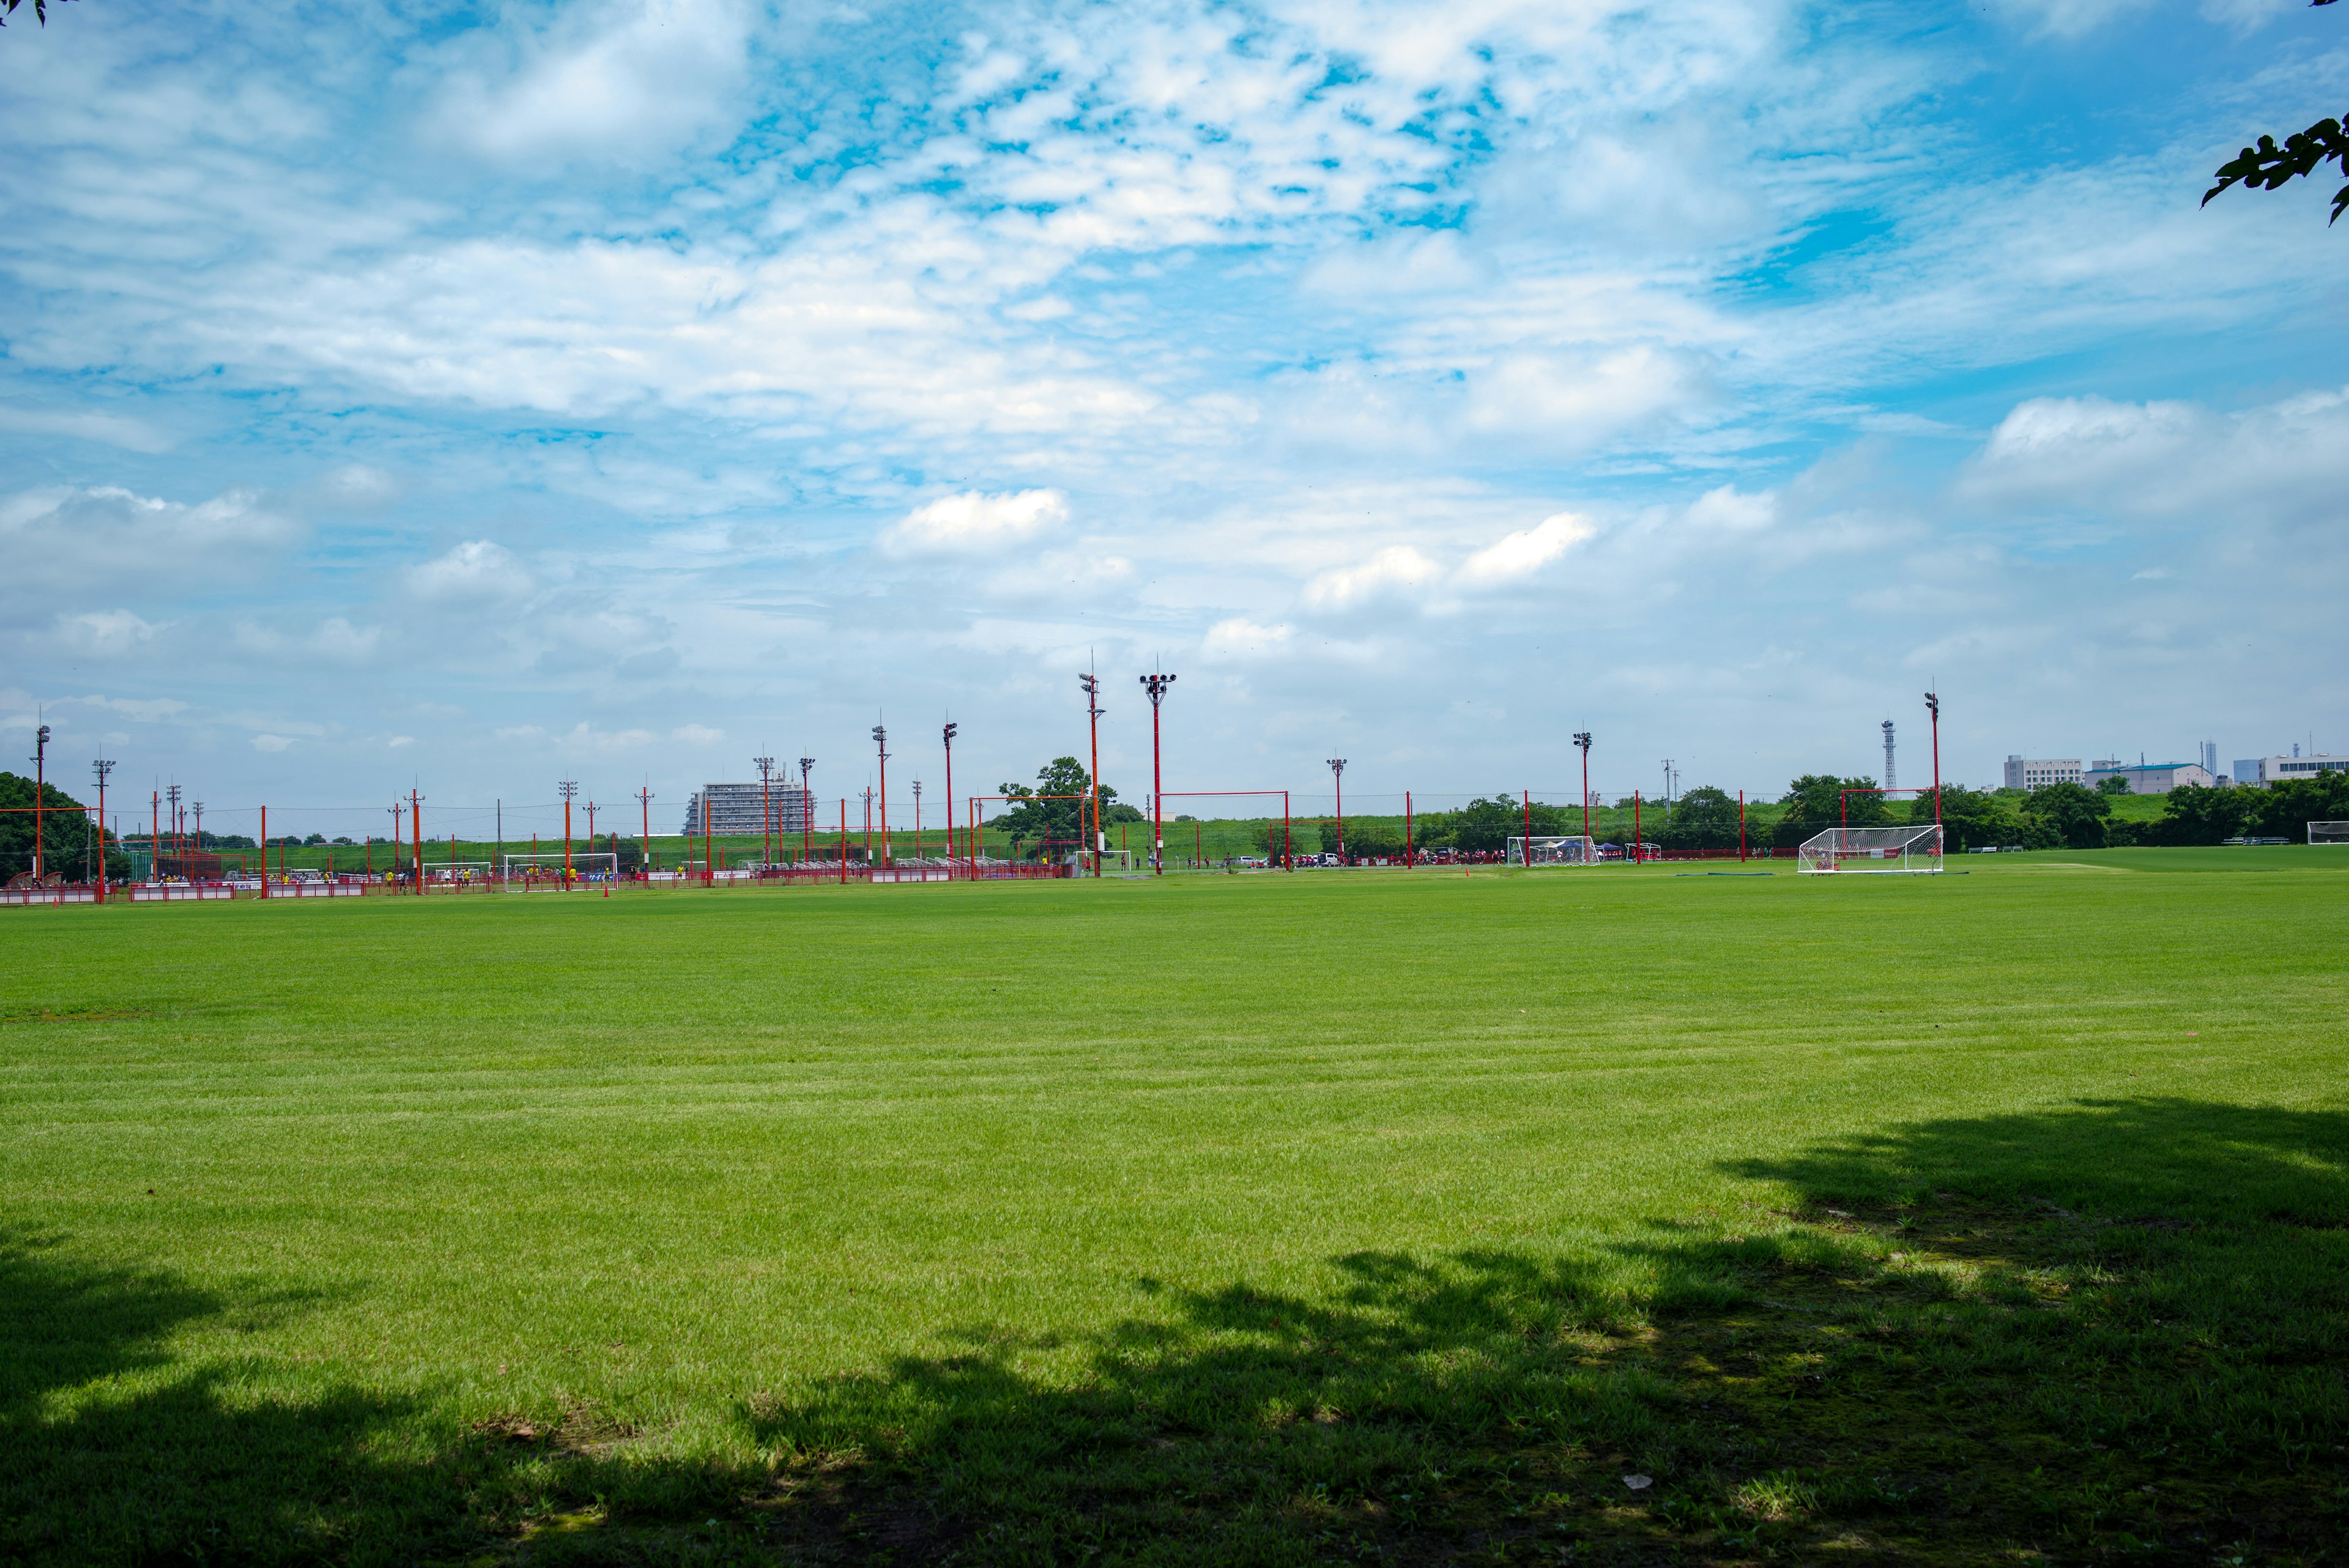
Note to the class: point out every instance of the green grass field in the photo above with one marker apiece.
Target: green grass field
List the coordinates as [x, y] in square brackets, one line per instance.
[1336, 1217]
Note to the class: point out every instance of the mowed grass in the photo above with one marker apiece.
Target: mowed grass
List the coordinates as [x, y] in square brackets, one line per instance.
[1263, 1219]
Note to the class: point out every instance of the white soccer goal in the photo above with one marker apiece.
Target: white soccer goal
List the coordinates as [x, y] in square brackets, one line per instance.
[2328, 833]
[587, 865]
[1572, 851]
[453, 871]
[1879, 851]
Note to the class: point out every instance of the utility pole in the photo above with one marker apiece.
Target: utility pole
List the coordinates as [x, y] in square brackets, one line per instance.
[644, 799]
[102, 767]
[869, 862]
[568, 788]
[1156, 684]
[1582, 743]
[1338, 773]
[199, 826]
[807, 800]
[1091, 683]
[178, 850]
[398, 811]
[917, 819]
[881, 744]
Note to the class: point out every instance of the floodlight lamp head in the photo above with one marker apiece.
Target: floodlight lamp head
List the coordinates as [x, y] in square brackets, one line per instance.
[1933, 703]
[950, 731]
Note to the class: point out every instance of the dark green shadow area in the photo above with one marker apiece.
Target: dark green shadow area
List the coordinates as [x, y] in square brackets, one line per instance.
[2108, 1330]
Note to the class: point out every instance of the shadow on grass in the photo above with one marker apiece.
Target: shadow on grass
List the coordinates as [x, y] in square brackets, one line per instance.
[2111, 1327]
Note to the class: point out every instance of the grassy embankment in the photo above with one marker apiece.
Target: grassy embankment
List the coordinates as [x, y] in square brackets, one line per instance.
[1271, 1218]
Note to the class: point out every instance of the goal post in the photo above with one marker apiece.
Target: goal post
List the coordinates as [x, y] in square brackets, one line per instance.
[1573, 850]
[1873, 851]
[587, 865]
[2328, 833]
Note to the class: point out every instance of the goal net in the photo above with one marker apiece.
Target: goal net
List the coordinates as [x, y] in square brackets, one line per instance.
[1881, 851]
[587, 865]
[2328, 833]
[1537, 851]
[458, 871]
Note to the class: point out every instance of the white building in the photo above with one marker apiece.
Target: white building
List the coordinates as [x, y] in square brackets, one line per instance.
[2267, 771]
[2038, 773]
[2150, 778]
[735, 808]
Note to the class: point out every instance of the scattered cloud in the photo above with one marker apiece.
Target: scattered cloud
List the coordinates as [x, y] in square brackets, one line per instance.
[271, 743]
[1527, 551]
[973, 523]
[477, 571]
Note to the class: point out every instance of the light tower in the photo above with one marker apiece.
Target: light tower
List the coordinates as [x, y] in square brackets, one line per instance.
[1582, 743]
[917, 819]
[171, 794]
[1338, 773]
[766, 817]
[807, 809]
[1933, 706]
[1091, 683]
[1156, 683]
[645, 801]
[881, 744]
[949, 734]
[1891, 782]
[566, 788]
[40, 788]
[199, 824]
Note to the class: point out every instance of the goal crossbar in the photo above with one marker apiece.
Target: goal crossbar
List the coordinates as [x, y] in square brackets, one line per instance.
[1873, 851]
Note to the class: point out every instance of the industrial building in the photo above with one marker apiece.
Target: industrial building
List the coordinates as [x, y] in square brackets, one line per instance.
[734, 808]
[2267, 771]
[2038, 773]
[2149, 778]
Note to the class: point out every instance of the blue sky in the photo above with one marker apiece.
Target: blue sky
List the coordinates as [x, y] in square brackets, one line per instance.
[470, 397]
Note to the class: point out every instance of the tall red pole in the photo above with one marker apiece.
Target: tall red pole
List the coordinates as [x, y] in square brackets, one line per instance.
[949, 736]
[644, 799]
[416, 832]
[1933, 706]
[1408, 859]
[1288, 850]
[807, 811]
[709, 841]
[1741, 827]
[766, 817]
[1091, 682]
[155, 837]
[40, 788]
[264, 852]
[1529, 797]
[1637, 854]
[844, 843]
[103, 768]
[881, 744]
[568, 789]
[1156, 683]
[1582, 743]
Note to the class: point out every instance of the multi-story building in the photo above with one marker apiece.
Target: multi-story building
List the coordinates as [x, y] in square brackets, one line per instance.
[734, 808]
[2267, 771]
[2038, 773]
[2149, 778]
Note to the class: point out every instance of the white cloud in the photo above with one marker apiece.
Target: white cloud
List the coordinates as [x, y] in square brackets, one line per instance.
[338, 639]
[475, 571]
[696, 735]
[1240, 638]
[398, 741]
[86, 424]
[270, 742]
[110, 634]
[975, 522]
[1397, 571]
[1527, 551]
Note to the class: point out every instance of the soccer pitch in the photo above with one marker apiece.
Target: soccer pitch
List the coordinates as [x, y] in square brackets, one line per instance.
[1255, 1218]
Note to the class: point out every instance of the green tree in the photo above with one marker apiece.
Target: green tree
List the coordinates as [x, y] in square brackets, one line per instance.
[1034, 819]
[2113, 786]
[2285, 810]
[2070, 815]
[1816, 802]
[1486, 826]
[1302, 839]
[2267, 166]
[2198, 813]
[1702, 819]
[1971, 818]
[1373, 841]
[68, 840]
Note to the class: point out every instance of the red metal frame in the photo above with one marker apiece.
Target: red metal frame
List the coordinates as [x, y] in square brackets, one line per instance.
[1843, 801]
[1287, 855]
[973, 800]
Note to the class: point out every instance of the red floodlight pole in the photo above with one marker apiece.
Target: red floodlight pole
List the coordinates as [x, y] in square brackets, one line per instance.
[40, 788]
[917, 819]
[1338, 772]
[949, 733]
[1638, 851]
[766, 817]
[843, 841]
[566, 789]
[265, 850]
[1527, 795]
[102, 767]
[1741, 827]
[881, 744]
[807, 812]
[1407, 856]
[155, 838]
[416, 835]
[1933, 706]
[1582, 742]
[1156, 683]
[1091, 682]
